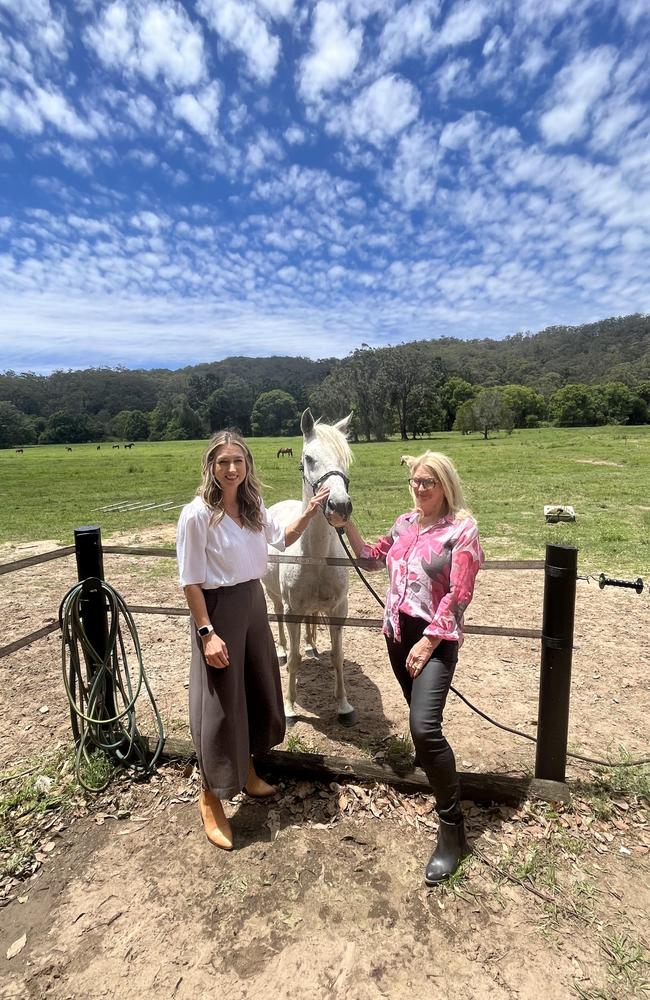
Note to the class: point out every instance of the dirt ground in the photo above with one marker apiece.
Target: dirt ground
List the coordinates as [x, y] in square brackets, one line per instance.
[323, 895]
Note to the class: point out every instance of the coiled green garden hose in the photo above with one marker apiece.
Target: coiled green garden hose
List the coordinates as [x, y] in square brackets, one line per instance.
[93, 682]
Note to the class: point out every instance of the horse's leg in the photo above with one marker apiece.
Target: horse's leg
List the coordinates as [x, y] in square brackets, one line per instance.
[346, 713]
[293, 628]
[310, 637]
[281, 648]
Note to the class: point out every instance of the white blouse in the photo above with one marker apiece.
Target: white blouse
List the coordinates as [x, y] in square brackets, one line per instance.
[222, 555]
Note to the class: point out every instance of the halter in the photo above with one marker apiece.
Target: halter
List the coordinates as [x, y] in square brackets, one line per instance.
[326, 475]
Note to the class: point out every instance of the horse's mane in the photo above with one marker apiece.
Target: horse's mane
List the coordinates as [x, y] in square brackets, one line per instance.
[336, 440]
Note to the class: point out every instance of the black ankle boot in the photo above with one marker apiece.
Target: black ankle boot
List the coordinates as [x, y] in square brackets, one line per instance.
[450, 851]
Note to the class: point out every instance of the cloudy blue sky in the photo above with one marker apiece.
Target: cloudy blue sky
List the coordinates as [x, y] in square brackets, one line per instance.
[183, 181]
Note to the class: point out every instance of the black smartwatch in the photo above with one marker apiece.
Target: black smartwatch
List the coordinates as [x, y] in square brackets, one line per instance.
[205, 630]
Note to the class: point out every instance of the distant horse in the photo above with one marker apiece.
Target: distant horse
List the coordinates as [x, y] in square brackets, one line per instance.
[285, 451]
[99, 447]
[116, 446]
[68, 449]
[19, 451]
[298, 589]
[129, 445]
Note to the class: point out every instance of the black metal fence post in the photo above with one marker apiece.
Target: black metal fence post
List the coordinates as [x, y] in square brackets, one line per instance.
[560, 574]
[90, 568]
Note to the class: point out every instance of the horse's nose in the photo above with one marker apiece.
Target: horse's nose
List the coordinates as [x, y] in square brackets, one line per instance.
[341, 507]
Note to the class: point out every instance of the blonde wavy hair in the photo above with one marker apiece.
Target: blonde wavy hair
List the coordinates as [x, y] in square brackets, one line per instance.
[248, 492]
[444, 470]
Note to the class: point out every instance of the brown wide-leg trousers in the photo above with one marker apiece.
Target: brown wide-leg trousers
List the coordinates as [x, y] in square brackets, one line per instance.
[235, 711]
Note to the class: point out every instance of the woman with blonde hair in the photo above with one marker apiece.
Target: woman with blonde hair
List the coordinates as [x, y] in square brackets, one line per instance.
[433, 554]
[236, 708]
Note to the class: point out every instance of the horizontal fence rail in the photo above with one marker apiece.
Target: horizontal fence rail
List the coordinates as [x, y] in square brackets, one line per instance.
[11, 567]
[170, 553]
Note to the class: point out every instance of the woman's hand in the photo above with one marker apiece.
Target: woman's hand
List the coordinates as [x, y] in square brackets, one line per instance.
[215, 651]
[420, 654]
[317, 502]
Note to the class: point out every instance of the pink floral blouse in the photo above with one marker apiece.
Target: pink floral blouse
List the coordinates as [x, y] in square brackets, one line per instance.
[431, 572]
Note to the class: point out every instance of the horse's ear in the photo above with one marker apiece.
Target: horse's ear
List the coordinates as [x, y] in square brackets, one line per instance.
[344, 425]
[307, 425]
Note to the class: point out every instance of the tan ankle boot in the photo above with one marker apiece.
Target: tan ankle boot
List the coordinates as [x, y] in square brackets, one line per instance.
[215, 822]
[255, 786]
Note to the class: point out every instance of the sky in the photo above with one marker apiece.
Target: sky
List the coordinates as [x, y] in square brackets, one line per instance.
[186, 181]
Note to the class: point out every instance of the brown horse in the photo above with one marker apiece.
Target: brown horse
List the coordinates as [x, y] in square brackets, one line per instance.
[285, 451]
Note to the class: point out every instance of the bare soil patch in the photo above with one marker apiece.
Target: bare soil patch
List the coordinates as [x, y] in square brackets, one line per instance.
[323, 895]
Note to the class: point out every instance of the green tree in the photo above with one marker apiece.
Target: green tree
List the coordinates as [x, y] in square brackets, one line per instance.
[490, 412]
[373, 389]
[453, 394]
[409, 367]
[425, 412]
[465, 421]
[15, 427]
[274, 413]
[185, 423]
[577, 405]
[230, 405]
[334, 398]
[618, 401]
[528, 407]
[67, 428]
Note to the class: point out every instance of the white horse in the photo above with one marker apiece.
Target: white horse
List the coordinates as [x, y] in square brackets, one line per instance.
[299, 589]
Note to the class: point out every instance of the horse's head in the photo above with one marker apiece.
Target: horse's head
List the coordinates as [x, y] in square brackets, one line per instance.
[326, 457]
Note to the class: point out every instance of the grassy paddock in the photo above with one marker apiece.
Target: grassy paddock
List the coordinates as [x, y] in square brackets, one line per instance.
[602, 472]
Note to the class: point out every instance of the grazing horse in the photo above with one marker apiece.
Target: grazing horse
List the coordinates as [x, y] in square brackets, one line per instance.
[116, 446]
[19, 451]
[299, 589]
[285, 451]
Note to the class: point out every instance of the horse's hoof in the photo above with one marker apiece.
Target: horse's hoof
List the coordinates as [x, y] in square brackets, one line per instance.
[291, 720]
[348, 719]
[282, 659]
[311, 653]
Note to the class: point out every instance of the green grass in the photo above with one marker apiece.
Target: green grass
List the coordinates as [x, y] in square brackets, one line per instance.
[47, 491]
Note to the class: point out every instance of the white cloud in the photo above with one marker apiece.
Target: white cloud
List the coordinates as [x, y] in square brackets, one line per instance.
[171, 46]
[295, 135]
[45, 31]
[577, 88]
[536, 57]
[238, 23]
[464, 24]
[380, 112]
[334, 53]
[154, 39]
[19, 114]
[412, 179]
[200, 111]
[276, 8]
[54, 108]
[455, 77]
[409, 32]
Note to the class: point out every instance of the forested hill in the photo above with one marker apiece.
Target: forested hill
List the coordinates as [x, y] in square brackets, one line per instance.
[590, 374]
[616, 349]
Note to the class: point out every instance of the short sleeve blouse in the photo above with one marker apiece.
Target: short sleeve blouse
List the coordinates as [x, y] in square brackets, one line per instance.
[223, 554]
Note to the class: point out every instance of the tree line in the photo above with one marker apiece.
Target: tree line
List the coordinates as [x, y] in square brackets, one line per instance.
[410, 390]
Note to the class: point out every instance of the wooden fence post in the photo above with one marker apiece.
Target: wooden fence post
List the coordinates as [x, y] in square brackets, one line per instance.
[90, 571]
[560, 573]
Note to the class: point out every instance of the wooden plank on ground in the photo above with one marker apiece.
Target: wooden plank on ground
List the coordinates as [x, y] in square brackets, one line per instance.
[477, 786]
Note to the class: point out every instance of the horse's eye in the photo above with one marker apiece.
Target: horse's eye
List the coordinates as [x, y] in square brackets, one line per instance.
[309, 460]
